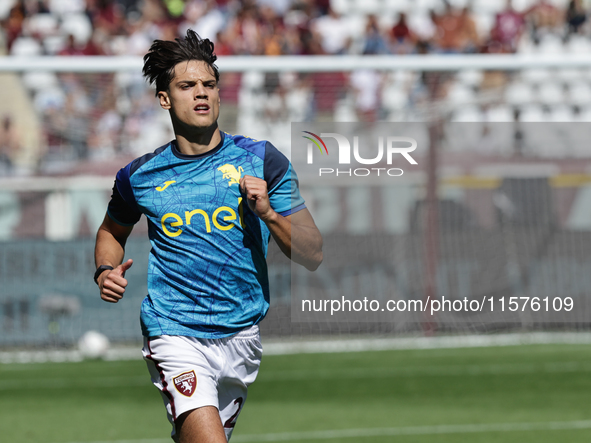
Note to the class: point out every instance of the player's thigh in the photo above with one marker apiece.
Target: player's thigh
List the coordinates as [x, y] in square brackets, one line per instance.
[202, 425]
[243, 359]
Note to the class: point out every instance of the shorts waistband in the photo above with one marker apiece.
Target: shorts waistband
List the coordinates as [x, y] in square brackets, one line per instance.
[247, 333]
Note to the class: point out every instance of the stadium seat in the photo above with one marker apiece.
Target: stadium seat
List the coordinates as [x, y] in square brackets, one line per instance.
[579, 44]
[253, 80]
[469, 113]
[484, 23]
[532, 113]
[536, 75]
[584, 114]
[522, 5]
[26, 47]
[458, 4]
[579, 93]
[394, 98]
[62, 7]
[78, 25]
[50, 98]
[54, 44]
[551, 93]
[519, 93]
[561, 113]
[500, 113]
[550, 44]
[5, 7]
[488, 6]
[344, 110]
[459, 94]
[569, 74]
[426, 5]
[37, 81]
[369, 6]
[526, 46]
[356, 24]
[470, 77]
[342, 6]
[41, 24]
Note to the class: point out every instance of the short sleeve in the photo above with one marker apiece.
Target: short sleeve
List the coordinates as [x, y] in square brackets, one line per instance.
[122, 207]
[282, 182]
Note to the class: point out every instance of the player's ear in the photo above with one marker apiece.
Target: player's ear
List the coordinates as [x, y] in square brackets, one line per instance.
[164, 99]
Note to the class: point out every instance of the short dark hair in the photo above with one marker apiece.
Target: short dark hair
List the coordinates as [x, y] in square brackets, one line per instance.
[164, 55]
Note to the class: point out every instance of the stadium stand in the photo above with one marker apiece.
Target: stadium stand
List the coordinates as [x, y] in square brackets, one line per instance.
[108, 122]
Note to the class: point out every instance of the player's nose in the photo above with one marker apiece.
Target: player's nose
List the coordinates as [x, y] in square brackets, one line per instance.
[200, 91]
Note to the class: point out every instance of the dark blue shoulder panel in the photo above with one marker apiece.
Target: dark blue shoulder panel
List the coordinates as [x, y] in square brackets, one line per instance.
[255, 146]
[124, 185]
[124, 175]
[140, 161]
[123, 206]
[276, 166]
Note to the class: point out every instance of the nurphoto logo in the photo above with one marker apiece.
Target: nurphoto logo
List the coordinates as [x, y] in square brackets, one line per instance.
[388, 148]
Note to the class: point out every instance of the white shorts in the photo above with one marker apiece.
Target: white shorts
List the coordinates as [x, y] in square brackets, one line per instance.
[192, 372]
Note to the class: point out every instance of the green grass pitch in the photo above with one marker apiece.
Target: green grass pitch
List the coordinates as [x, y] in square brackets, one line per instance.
[520, 394]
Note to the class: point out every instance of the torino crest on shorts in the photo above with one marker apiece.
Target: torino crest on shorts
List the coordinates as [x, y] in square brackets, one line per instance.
[186, 383]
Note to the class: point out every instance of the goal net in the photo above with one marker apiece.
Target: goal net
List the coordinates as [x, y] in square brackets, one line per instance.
[493, 217]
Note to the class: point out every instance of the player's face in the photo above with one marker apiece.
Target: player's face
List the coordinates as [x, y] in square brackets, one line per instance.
[193, 96]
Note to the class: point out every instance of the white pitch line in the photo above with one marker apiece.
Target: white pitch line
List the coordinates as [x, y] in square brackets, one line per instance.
[413, 430]
[388, 432]
[443, 342]
[142, 440]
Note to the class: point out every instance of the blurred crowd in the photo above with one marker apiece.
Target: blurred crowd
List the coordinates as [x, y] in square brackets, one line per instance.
[278, 27]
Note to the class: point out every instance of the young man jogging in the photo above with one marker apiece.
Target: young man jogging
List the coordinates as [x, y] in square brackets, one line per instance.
[212, 202]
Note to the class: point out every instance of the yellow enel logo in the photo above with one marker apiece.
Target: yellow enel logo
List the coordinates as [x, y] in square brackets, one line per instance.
[230, 172]
[178, 221]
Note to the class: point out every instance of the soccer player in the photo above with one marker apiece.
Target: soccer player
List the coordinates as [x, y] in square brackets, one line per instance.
[212, 201]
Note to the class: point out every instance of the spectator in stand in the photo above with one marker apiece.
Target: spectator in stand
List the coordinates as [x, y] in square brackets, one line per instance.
[71, 47]
[204, 17]
[507, 30]
[448, 35]
[373, 40]
[9, 144]
[367, 85]
[223, 45]
[334, 33]
[575, 16]
[544, 18]
[107, 16]
[279, 7]
[92, 47]
[272, 32]
[13, 25]
[468, 36]
[323, 6]
[402, 39]
[247, 31]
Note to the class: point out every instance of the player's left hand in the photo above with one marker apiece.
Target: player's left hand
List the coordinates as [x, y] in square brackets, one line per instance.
[255, 191]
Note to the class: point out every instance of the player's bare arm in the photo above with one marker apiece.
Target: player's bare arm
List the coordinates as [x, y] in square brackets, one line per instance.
[296, 234]
[109, 251]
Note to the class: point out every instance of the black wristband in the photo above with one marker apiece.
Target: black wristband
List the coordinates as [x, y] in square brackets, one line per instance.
[100, 270]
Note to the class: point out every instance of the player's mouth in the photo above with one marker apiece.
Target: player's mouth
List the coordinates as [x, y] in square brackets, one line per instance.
[201, 108]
